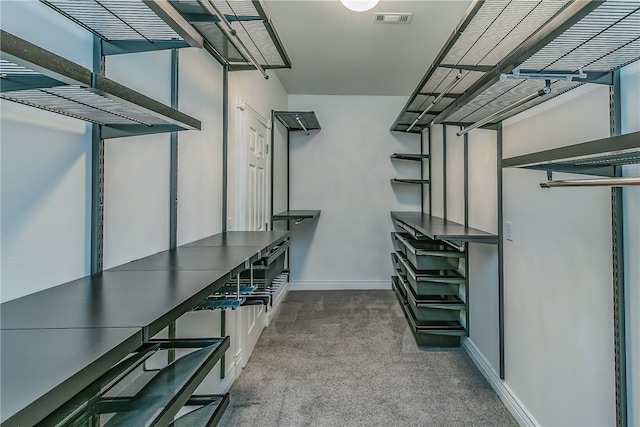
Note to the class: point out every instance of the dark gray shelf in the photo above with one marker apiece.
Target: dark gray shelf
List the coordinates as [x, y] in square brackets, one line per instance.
[36, 77]
[597, 157]
[43, 368]
[413, 157]
[261, 239]
[208, 415]
[298, 120]
[130, 26]
[409, 181]
[252, 25]
[298, 215]
[162, 397]
[537, 38]
[440, 229]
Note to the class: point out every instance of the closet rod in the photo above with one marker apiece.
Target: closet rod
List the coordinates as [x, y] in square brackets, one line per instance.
[495, 116]
[231, 33]
[435, 101]
[301, 125]
[598, 182]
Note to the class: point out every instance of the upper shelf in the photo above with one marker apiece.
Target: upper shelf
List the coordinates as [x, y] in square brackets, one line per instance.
[298, 120]
[139, 25]
[472, 78]
[41, 79]
[298, 215]
[419, 224]
[591, 158]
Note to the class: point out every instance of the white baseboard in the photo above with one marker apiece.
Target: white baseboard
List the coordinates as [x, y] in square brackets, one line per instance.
[510, 400]
[340, 285]
[229, 377]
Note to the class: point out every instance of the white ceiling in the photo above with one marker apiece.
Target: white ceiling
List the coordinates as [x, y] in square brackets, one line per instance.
[335, 51]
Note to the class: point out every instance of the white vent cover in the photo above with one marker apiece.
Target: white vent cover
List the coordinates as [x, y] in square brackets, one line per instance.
[392, 18]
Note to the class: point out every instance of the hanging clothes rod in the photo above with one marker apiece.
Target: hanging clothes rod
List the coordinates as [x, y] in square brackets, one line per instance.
[301, 125]
[435, 101]
[231, 34]
[495, 116]
[598, 182]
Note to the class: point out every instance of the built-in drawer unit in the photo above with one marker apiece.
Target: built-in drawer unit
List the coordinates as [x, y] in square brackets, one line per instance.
[431, 289]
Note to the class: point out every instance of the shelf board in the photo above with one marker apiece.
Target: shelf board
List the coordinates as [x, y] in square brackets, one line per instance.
[290, 119]
[298, 215]
[41, 79]
[598, 157]
[162, 397]
[409, 181]
[544, 37]
[441, 229]
[413, 157]
[132, 25]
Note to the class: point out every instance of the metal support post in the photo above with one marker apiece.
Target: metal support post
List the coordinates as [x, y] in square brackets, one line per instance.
[500, 254]
[444, 172]
[173, 158]
[97, 176]
[225, 143]
[429, 163]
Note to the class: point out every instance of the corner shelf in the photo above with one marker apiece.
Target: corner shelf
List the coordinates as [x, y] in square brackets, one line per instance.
[598, 157]
[36, 77]
[298, 120]
[545, 40]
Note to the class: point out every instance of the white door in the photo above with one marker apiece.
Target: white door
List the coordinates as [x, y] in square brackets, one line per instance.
[256, 180]
[255, 201]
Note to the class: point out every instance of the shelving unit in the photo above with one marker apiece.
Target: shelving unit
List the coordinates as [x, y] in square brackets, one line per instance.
[293, 121]
[412, 157]
[599, 157]
[431, 290]
[38, 78]
[473, 80]
[238, 34]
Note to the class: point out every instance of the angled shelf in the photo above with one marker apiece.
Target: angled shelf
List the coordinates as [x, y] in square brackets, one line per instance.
[130, 26]
[298, 120]
[409, 181]
[211, 408]
[473, 80]
[597, 157]
[36, 77]
[413, 157]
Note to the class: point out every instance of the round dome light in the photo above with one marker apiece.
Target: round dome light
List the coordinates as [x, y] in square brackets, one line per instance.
[359, 5]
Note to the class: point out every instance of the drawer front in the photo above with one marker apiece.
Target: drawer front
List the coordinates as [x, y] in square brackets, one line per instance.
[428, 254]
[435, 282]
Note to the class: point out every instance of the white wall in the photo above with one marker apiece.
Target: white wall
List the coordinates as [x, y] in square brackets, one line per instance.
[344, 170]
[46, 163]
[455, 175]
[437, 171]
[558, 298]
[630, 94]
[200, 159]
[483, 259]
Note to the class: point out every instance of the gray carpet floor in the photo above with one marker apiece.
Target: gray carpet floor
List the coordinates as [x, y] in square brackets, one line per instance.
[348, 358]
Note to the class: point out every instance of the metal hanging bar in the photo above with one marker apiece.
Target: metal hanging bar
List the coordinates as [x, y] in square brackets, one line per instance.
[495, 116]
[301, 125]
[598, 182]
[435, 101]
[516, 74]
[232, 34]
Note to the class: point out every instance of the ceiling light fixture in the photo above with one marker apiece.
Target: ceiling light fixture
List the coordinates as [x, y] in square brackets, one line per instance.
[359, 5]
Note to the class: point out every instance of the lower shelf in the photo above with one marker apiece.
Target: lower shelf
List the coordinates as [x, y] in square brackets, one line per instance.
[211, 408]
[162, 396]
[432, 333]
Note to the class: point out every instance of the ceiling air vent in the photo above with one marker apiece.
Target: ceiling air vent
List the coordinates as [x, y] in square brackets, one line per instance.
[392, 18]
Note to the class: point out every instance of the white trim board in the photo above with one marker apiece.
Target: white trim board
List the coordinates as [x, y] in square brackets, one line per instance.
[340, 285]
[517, 409]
